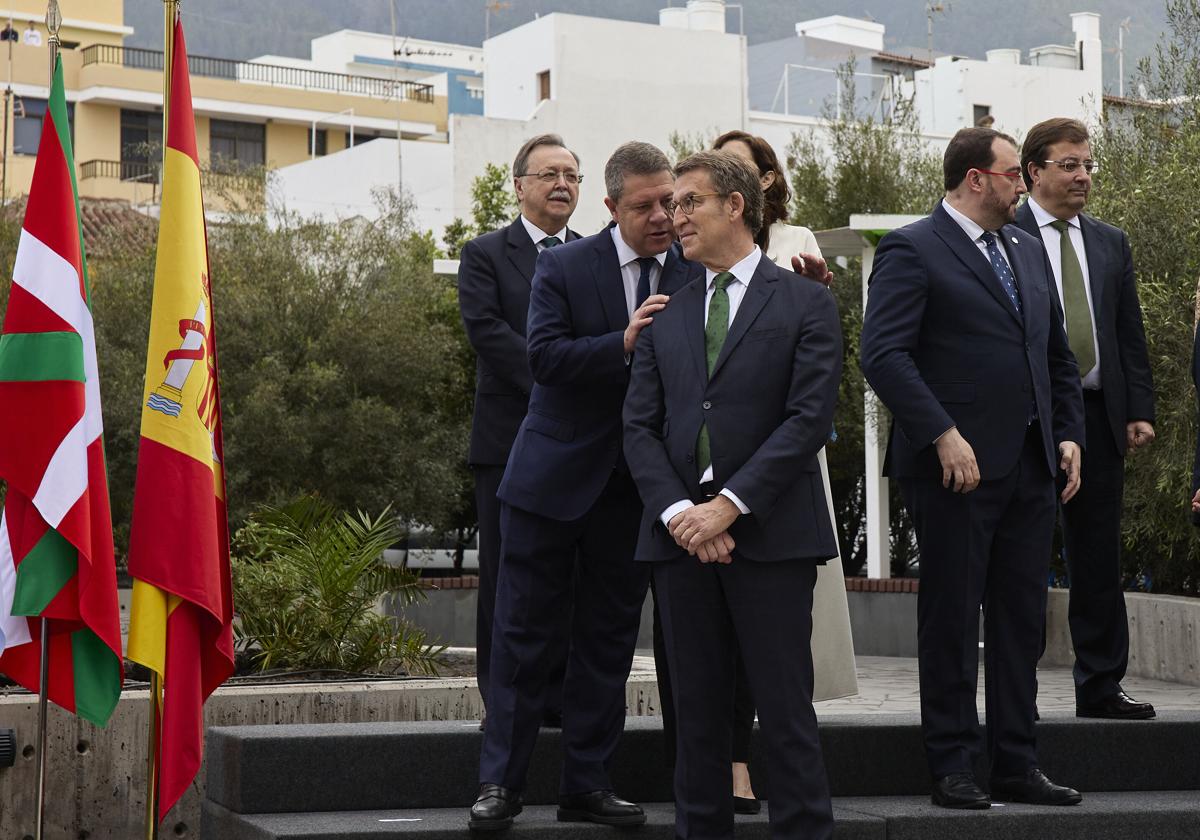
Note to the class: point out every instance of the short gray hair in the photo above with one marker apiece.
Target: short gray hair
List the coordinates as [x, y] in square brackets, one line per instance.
[522, 159]
[730, 174]
[632, 158]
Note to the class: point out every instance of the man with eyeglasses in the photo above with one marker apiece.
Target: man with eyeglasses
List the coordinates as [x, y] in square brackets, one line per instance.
[1094, 280]
[494, 274]
[731, 398]
[963, 341]
[569, 508]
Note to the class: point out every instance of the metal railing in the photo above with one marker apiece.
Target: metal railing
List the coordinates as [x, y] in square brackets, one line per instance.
[264, 74]
[122, 170]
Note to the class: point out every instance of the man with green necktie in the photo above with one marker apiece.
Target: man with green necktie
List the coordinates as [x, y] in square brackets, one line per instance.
[1093, 270]
[730, 399]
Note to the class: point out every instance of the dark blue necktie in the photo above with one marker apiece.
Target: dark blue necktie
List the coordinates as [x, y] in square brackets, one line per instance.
[643, 286]
[1002, 269]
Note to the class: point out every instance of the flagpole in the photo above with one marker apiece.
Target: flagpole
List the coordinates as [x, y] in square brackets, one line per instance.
[170, 15]
[53, 22]
[43, 693]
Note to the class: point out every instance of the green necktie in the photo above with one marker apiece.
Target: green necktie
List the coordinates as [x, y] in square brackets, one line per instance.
[715, 330]
[1080, 332]
[550, 242]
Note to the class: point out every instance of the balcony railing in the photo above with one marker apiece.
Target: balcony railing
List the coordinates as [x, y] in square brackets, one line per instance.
[263, 74]
[123, 170]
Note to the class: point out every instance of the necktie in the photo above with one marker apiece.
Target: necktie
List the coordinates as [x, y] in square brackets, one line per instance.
[1080, 333]
[550, 242]
[715, 330]
[1002, 269]
[643, 286]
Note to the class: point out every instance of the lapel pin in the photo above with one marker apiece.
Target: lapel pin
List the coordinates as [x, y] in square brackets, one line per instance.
[1014, 240]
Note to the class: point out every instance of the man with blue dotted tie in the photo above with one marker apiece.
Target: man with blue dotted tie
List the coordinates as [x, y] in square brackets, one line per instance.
[963, 341]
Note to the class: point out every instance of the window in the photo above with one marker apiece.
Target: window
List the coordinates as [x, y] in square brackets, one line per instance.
[982, 115]
[141, 145]
[236, 145]
[543, 80]
[320, 148]
[360, 138]
[27, 124]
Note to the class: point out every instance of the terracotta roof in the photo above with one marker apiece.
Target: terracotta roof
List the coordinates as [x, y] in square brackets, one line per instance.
[108, 224]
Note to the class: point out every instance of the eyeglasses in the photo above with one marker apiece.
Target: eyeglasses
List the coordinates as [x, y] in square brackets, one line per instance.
[550, 176]
[1089, 166]
[689, 203]
[1012, 176]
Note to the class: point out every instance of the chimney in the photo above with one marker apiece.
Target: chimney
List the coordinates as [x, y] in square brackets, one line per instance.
[674, 17]
[706, 15]
[1086, 26]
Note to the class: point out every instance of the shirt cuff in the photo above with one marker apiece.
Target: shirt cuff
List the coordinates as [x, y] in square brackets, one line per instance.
[729, 494]
[674, 510]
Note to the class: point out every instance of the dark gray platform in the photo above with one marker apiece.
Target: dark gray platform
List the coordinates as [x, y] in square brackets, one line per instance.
[381, 766]
[1171, 815]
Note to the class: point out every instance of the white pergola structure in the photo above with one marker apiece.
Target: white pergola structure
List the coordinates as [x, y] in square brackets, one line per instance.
[858, 239]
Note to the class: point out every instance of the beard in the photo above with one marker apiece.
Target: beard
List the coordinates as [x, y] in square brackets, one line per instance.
[1001, 210]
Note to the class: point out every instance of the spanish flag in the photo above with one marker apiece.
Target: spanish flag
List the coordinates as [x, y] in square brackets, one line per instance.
[181, 620]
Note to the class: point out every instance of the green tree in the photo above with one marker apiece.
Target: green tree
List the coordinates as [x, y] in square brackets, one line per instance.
[1147, 185]
[493, 203]
[859, 165]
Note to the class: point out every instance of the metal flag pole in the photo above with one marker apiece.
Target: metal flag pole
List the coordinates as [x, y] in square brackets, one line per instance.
[10, 33]
[43, 686]
[153, 730]
[53, 22]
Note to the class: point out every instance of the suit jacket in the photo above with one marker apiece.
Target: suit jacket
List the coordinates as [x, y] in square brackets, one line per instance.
[769, 405]
[942, 346]
[570, 441]
[494, 273]
[1125, 378]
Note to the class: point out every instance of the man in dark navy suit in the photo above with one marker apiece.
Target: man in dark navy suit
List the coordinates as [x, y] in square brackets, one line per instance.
[1094, 281]
[569, 508]
[494, 274]
[732, 396]
[963, 341]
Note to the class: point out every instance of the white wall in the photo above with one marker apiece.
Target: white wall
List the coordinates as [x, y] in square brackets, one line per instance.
[611, 81]
[338, 186]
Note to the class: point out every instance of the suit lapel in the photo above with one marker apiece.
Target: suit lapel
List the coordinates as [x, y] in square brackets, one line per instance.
[957, 240]
[609, 283]
[1096, 261]
[1018, 260]
[692, 301]
[522, 253]
[762, 287]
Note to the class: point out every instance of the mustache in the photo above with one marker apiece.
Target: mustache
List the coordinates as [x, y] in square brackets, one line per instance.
[563, 194]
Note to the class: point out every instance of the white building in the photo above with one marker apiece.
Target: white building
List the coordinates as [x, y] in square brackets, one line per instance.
[600, 82]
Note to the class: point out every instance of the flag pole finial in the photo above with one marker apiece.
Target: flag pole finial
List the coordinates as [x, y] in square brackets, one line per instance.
[53, 25]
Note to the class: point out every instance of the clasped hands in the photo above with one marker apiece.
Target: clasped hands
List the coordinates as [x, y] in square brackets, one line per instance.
[703, 530]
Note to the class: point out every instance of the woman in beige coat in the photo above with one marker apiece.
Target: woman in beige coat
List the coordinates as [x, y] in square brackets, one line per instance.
[832, 646]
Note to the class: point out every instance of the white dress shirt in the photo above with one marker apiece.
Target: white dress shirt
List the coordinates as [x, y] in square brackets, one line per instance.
[631, 269]
[537, 234]
[976, 233]
[1053, 240]
[743, 273]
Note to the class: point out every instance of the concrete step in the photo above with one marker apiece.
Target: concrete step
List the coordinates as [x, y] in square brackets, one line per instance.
[432, 765]
[1164, 815]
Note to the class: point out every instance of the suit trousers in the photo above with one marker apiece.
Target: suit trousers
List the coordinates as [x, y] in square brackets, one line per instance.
[1091, 527]
[764, 612]
[487, 507]
[988, 548]
[564, 580]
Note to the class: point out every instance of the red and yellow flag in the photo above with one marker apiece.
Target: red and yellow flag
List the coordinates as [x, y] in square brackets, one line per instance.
[181, 620]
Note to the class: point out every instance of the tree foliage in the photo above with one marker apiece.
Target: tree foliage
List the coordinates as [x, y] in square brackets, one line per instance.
[1148, 183]
[859, 166]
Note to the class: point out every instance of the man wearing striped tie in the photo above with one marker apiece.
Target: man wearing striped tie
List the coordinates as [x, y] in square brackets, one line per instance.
[1093, 274]
[963, 341]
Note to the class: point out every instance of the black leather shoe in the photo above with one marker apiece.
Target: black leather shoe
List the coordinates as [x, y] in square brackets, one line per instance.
[959, 790]
[1119, 706]
[746, 805]
[1034, 789]
[494, 808]
[599, 806]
